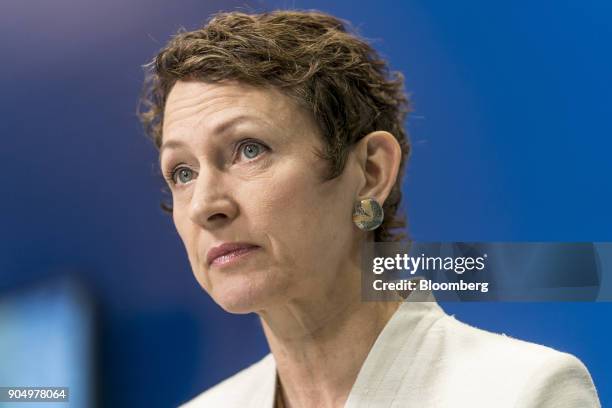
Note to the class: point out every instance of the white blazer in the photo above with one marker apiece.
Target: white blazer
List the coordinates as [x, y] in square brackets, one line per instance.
[425, 358]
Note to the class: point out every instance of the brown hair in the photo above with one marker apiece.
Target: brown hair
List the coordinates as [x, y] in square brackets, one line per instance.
[308, 55]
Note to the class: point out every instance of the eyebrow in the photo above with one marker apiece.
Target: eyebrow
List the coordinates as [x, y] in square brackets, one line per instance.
[219, 129]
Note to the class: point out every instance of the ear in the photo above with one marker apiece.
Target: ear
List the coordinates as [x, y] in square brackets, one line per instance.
[379, 155]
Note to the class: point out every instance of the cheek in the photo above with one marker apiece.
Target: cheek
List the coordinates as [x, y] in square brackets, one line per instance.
[305, 219]
[181, 226]
[188, 234]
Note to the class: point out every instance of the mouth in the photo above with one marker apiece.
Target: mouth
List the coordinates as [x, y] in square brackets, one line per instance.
[228, 253]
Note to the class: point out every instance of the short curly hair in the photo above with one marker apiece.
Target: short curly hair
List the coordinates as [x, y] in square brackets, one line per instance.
[311, 57]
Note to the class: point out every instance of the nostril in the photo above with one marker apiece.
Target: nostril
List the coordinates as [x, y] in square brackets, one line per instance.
[217, 217]
[212, 212]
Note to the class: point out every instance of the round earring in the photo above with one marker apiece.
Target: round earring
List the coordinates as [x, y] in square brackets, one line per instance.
[368, 214]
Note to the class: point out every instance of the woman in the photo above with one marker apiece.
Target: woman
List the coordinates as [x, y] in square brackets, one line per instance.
[281, 139]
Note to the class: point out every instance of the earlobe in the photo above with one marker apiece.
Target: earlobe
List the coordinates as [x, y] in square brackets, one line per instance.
[368, 214]
[379, 154]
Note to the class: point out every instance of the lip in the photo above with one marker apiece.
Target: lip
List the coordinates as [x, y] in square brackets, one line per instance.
[228, 252]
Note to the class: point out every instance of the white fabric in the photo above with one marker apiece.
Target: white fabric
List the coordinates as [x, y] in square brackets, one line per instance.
[425, 358]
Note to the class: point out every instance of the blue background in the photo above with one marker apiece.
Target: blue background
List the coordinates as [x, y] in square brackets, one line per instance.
[511, 141]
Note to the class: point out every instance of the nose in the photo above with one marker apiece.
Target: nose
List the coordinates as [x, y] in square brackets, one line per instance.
[211, 205]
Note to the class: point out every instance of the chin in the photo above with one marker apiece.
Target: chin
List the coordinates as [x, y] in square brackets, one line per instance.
[241, 295]
[235, 304]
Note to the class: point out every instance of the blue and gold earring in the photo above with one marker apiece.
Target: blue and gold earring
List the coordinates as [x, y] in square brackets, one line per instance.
[368, 214]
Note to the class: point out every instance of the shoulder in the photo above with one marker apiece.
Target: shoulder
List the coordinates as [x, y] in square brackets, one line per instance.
[531, 375]
[561, 381]
[496, 350]
[253, 385]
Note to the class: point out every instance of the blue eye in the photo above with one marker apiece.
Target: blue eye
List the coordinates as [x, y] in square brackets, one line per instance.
[251, 150]
[182, 175]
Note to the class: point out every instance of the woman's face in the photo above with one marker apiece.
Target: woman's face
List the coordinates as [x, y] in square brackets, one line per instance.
[260, 224]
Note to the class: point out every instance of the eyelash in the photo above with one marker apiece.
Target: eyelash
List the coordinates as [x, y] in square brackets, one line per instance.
[170, 176]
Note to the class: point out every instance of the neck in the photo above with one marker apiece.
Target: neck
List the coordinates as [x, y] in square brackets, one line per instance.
[319, 347]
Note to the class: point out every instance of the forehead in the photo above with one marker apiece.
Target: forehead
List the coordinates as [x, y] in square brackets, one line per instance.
[196, 105]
